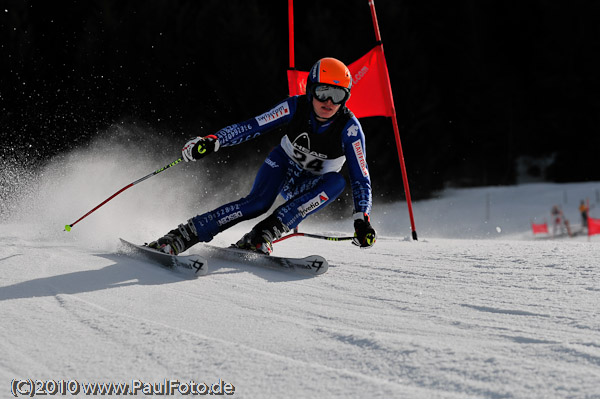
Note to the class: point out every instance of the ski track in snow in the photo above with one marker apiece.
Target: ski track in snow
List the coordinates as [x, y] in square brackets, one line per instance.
[437, 318]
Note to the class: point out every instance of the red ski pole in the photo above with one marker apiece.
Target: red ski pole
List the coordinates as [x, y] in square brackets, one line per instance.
[69, 226]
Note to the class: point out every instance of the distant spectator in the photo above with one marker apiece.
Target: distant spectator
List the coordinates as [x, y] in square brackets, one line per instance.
[584, 210]
[557, 220]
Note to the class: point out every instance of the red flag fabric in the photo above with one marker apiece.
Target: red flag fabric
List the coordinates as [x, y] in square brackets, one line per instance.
[539, 228]
[297, 82]
[371, 92]
[593, 226]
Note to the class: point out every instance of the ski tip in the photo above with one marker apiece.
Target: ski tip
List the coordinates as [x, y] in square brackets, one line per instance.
[188, 265]
[68, 227]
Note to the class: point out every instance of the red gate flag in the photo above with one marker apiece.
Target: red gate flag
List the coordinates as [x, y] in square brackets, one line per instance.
[370, 89]
[539, 228]
[593, 226]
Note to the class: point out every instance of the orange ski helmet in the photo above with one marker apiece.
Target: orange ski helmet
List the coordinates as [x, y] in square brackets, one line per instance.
[331, 72]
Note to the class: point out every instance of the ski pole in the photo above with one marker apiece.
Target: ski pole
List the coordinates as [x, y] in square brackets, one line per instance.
[69, 226]
[322, 237]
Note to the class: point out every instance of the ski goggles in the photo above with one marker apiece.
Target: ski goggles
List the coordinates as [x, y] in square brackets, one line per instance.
[337, 94]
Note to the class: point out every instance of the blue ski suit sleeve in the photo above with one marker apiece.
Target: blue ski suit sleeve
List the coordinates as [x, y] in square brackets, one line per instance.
[238, 133]
[353, 141]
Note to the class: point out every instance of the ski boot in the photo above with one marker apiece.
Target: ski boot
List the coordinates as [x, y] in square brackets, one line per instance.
[177, 240]
[260, 238]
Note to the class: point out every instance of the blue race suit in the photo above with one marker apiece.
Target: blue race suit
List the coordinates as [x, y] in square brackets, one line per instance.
[303, 168]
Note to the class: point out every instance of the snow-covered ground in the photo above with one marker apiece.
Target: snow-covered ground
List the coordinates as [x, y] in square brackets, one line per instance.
[477, 308]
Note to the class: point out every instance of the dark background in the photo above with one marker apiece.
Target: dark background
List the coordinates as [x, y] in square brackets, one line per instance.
[477, 85]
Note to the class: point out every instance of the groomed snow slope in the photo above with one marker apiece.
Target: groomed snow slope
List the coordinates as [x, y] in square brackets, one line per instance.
[477, 308]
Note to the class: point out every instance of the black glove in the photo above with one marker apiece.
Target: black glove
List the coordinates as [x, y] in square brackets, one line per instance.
[364, 234]
[200, 147]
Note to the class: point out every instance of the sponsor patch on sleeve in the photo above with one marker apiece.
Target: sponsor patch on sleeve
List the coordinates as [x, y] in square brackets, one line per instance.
[360, 157]
[278, 112]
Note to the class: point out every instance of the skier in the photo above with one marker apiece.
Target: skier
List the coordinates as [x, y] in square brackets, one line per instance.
[321, 133]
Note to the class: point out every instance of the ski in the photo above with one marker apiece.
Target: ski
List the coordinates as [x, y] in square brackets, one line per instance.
[189, 265]
[312, 265]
